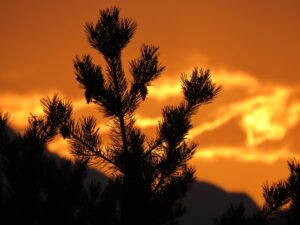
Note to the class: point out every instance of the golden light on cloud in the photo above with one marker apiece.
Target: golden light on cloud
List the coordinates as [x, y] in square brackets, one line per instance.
[270, 116]
[234, 79]
[243, 154]
[147, 122]
[207, 126]
[261, 123]
[165, 90]
[20, 107]
[263, 117]
[266, 115]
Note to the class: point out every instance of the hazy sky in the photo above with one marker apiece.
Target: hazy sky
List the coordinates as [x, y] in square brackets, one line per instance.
[252, 48]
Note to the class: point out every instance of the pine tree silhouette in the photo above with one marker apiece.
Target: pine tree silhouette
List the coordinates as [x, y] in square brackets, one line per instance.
[36, 188]
[150, 176]
[280, 197]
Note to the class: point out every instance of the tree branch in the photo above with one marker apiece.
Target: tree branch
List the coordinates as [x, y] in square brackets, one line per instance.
[97, 153]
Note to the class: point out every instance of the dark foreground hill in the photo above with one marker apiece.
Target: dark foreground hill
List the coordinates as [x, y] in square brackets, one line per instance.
[206, 201]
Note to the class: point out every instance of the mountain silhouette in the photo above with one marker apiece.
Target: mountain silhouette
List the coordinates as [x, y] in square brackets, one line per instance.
[203, 202]
[206, 201]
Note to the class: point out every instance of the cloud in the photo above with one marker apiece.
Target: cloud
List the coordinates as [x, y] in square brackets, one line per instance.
[147, 122]
[243, 154]
[263, 117]
[164, 89]
[234, 79]
[270, 117]
[19, 107]
[267, 114]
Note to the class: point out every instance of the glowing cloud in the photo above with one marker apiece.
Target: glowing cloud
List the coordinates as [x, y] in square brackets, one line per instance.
[232, 80]
[172, 87]
[270, 117]
[242, 154]
[20, 107]
[267, 115]
[146, 122]
[263, 117]
[165, 90]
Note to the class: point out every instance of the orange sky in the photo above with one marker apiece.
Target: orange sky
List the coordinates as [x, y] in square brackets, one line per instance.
[245, 136]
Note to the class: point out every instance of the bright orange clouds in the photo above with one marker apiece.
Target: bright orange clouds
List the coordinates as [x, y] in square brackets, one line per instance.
[266, 115]
[252, 48]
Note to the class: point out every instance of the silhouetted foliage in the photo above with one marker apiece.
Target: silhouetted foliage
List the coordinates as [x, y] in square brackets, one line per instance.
[280, 197]
[36, 188]
[235, 215]
[150, 176]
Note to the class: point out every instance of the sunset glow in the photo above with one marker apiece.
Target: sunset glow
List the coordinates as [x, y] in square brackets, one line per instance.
[251, 50]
